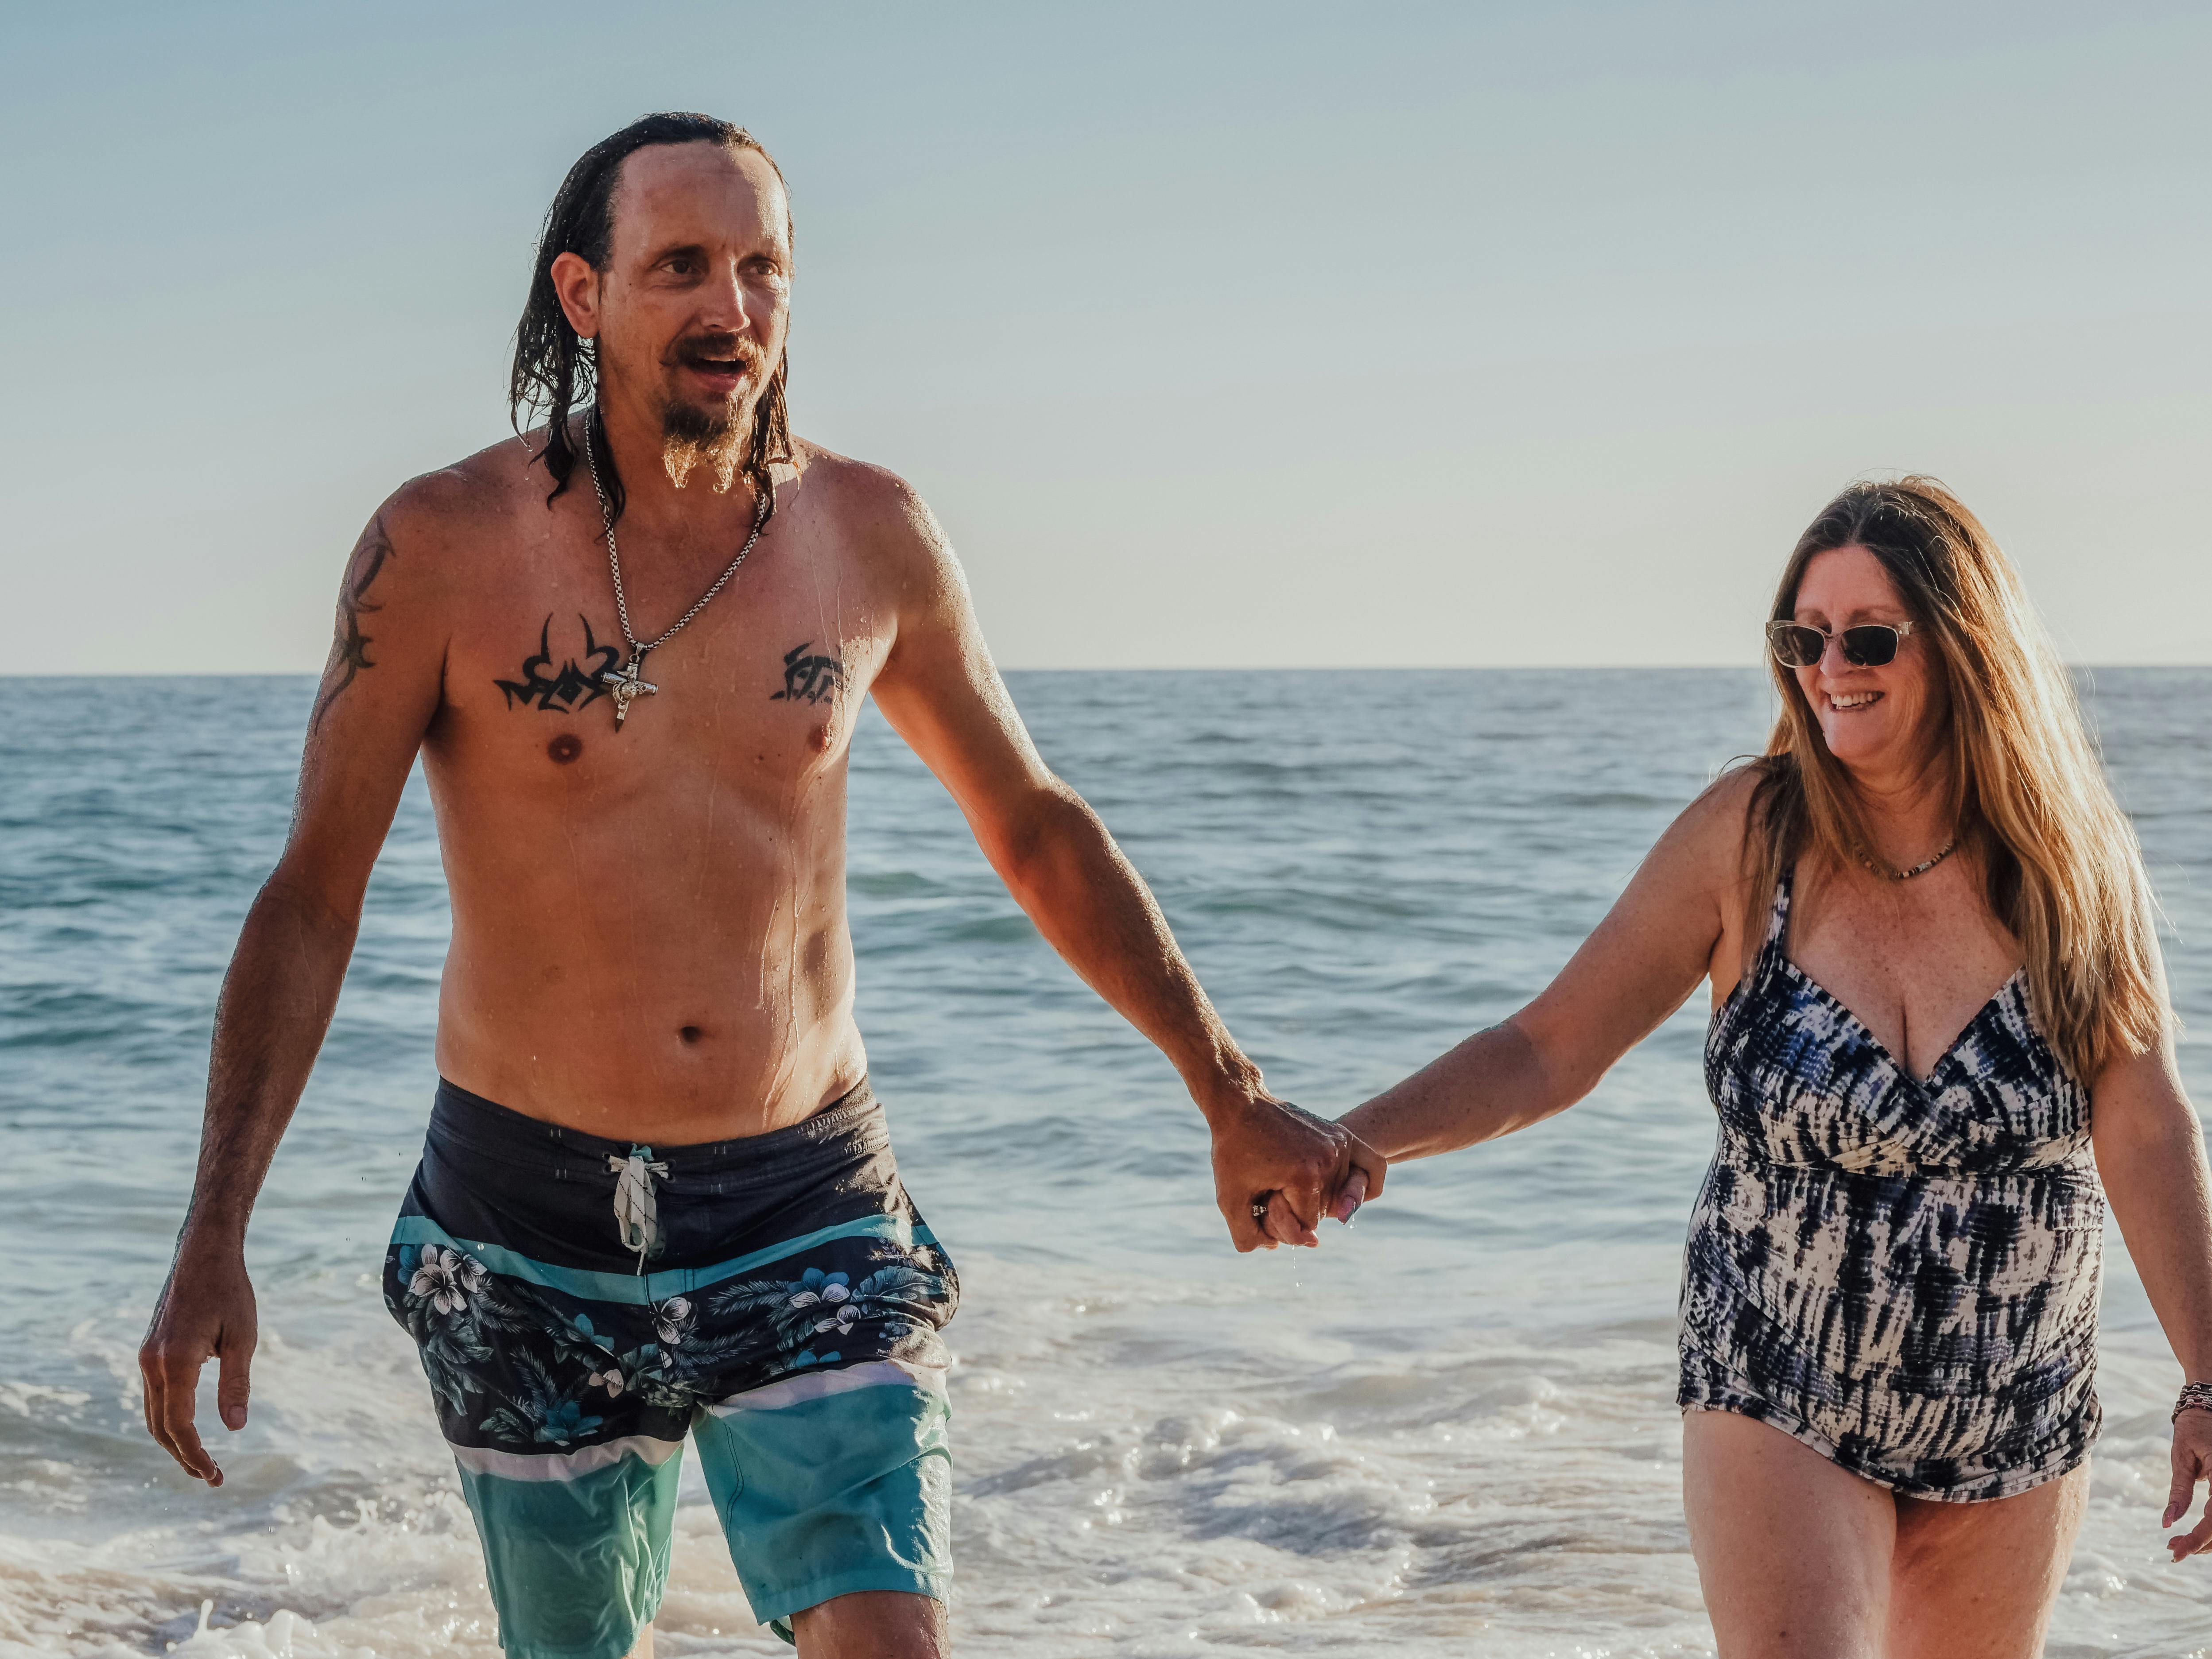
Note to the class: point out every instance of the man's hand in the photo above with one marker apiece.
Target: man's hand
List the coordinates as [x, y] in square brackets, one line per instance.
[206, 1312]
[1267, 1152]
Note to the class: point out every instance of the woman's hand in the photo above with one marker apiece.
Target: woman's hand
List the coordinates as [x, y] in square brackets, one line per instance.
[1277, 1169]
[2192, 1462]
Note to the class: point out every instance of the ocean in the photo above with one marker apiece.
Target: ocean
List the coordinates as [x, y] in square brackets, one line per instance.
[1451, 1430]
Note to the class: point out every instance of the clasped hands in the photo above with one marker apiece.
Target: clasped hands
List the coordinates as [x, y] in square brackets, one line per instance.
[1278, 1170]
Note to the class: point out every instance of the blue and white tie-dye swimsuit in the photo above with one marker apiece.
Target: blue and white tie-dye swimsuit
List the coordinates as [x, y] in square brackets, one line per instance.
[1900, 1273]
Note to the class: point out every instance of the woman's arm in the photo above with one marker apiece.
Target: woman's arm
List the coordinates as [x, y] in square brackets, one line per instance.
[2150, 1152]
[1661, 937]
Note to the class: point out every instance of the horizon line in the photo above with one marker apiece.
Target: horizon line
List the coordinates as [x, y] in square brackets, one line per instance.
[1174, 668]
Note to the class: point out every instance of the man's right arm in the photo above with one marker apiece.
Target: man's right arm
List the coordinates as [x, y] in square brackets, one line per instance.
[377, 697]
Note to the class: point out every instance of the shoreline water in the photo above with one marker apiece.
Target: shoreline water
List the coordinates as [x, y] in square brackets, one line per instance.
[1453, 1424]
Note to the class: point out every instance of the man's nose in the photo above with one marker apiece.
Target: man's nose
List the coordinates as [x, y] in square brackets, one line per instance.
[723, 304]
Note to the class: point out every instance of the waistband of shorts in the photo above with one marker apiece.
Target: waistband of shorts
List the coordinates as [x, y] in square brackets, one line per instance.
[852, 1123]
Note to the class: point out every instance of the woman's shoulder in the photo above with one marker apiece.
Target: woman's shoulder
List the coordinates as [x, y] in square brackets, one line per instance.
[1709, 833]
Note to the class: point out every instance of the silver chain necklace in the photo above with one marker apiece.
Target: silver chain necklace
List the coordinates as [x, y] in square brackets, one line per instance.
[625, 684]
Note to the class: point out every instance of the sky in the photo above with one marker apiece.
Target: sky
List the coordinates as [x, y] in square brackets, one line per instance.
[1216, 335]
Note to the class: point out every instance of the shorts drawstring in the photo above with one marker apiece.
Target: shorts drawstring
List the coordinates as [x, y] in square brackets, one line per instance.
[636, 1216]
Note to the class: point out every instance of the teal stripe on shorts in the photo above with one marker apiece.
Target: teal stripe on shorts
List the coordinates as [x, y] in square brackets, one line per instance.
[576, 1566]
[641, 1290]
[856, 1482]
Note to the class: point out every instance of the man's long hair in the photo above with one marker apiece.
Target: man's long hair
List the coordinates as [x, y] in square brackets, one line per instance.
[554, 369]
[2027, 794]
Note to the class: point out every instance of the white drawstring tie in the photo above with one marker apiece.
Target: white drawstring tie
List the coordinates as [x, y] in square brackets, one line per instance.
[635, 1214]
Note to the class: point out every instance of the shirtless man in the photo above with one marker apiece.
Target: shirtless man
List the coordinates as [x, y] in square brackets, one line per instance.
[656, 1196]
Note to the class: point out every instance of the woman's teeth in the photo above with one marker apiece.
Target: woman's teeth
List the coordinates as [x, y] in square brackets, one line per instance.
[1853, 699]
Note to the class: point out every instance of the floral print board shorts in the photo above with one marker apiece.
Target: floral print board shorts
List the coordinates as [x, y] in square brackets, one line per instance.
[581, 1305]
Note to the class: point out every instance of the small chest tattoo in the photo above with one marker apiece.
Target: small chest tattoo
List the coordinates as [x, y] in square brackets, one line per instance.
[809, 678]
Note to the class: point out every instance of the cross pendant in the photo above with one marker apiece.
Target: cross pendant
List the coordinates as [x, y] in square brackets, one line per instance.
[626, 686]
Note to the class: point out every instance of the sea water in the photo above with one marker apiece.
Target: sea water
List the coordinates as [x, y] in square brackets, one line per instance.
[1450, 1431]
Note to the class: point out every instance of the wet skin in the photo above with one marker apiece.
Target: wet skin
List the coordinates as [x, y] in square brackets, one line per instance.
[583, 862]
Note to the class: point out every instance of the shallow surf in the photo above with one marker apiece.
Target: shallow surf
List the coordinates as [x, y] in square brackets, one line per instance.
[1452, 1429]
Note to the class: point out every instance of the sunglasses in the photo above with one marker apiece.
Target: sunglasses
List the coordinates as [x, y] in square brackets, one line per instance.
[1796, 645]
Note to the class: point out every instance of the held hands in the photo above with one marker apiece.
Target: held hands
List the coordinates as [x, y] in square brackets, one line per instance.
[1277, 1169]
[2192, 1462]
[206, 1312]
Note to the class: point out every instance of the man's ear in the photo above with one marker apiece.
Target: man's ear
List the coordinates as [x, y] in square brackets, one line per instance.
[577, 286]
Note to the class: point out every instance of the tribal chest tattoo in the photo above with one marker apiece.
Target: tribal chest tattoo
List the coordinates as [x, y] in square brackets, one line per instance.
[577, 685]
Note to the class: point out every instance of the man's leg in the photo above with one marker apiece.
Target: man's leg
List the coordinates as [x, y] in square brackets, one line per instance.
[1793, 1553]
[873, 1625]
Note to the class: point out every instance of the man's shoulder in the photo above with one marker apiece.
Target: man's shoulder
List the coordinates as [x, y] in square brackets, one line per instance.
[874, 511]
[861, 495]
[492, 483]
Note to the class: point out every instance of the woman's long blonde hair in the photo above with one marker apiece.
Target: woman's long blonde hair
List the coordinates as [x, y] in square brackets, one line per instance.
[2027, 792]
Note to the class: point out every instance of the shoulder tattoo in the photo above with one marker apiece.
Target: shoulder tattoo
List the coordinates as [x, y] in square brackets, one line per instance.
[349, 655]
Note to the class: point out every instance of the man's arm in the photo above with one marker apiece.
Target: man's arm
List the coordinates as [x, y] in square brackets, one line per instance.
[377, 696]
[940, 692]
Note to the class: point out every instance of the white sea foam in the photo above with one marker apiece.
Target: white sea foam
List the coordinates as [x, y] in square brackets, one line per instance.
[1152, 1468]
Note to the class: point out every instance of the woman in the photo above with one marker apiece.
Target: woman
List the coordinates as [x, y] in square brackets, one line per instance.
[1889, 1297]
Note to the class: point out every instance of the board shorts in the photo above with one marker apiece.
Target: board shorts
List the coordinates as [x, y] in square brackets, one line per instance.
[581, 1305]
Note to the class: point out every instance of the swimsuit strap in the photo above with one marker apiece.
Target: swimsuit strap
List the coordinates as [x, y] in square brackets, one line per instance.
[1778, 924]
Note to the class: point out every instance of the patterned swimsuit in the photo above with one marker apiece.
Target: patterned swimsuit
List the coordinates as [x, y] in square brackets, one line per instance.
[1900, 1273]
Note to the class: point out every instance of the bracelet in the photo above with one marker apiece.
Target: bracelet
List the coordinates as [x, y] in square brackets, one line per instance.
[2195, 1397]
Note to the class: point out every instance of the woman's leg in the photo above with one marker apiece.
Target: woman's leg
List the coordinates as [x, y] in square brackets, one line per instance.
[1793, 1553]
[1977, 1580]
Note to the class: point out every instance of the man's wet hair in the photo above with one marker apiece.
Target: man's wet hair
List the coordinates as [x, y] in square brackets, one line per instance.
[554, 369]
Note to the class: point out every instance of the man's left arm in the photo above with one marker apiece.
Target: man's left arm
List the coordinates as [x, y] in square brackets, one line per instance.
[940, 691]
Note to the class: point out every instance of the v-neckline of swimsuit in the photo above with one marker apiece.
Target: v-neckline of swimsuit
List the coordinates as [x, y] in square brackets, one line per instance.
[2015, 983]
[1899, 1272]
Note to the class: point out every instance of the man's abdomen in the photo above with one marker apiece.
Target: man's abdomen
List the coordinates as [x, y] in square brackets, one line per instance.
[667, 978]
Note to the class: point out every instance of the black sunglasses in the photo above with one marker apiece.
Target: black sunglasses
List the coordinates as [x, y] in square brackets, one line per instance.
[1798, 645]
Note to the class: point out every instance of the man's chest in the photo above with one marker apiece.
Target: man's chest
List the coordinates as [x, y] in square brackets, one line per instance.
[764, 678]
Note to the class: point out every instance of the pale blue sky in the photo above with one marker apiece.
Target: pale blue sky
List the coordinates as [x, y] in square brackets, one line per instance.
[1475, 334]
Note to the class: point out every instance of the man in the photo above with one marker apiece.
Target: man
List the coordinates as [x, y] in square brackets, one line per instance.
[656, 1195]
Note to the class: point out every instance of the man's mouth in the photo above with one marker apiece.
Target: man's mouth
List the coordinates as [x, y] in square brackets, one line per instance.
[723, 371]
[1843, 701]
